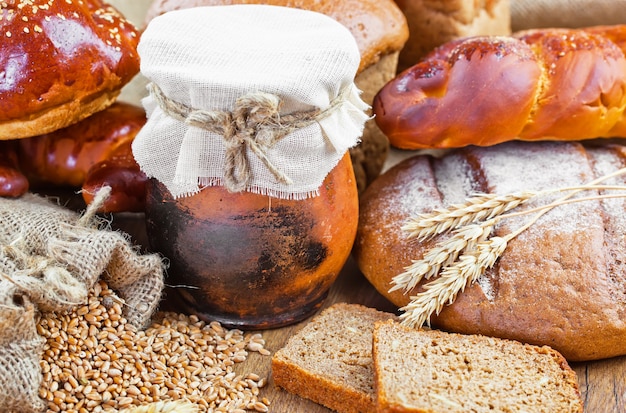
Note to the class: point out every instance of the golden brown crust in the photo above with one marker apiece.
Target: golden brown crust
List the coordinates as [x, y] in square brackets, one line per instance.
[53, 119]
[62, 61]
[559, 84]
[559, 283]
[378, 26]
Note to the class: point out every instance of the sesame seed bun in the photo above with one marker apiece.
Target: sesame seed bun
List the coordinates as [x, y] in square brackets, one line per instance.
[60, 62]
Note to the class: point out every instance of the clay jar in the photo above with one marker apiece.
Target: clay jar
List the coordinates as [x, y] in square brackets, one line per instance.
[252, 198]
[250, 260]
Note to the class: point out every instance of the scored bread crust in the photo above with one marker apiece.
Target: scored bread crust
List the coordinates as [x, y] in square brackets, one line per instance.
[62, 62]
[559, 283]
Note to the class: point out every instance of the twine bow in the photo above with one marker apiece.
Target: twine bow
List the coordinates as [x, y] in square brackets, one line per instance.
[255, 123]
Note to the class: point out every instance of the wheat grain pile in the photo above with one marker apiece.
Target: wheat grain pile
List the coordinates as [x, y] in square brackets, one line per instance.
[95, 361]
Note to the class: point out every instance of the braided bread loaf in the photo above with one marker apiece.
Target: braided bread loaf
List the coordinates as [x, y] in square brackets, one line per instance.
[559, 84]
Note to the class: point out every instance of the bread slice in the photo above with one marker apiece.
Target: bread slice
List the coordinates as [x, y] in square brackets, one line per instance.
[329, 361]
[434, 371]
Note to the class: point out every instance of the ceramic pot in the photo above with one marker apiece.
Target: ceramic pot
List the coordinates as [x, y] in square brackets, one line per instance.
[252, 261]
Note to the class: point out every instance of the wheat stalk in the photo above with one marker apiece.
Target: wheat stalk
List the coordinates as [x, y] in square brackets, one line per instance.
[178, 406]
[463, 258]
[442, 255]
[478, 208]
[453, 279]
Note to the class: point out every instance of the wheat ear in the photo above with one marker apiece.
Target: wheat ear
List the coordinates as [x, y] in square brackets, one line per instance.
[477, 208]
[178, 406]
[453, 280]
[442, 255]
[461, 263]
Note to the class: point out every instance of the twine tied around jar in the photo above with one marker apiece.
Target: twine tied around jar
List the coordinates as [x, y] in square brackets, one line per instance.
[255, 123]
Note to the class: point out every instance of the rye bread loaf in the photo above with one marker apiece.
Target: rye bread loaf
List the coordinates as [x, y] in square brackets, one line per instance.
[561, 283]
[380, 30]
[433, 371]
[329, 361]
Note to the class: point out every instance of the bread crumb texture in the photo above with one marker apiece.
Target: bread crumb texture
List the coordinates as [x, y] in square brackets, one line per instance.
[434, 371]
[329, 361]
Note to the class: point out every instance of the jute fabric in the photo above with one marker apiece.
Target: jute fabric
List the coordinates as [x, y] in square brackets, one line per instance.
[50, 257]
[528, 14]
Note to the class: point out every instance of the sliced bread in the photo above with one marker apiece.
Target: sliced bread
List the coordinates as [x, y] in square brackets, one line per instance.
[433, 371]
[329, 361]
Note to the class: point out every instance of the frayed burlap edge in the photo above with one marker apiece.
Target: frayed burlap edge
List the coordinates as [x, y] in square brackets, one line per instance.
[49, 259]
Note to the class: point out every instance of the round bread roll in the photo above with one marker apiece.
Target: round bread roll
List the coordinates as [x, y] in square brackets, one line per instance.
[380, 30]
[561, 282]
[61, 61]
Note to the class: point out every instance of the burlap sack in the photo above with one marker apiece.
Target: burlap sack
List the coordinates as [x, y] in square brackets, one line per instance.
[20, 352]
[527, 14]
[50, 257]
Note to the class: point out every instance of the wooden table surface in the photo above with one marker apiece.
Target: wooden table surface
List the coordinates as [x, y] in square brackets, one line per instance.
[602, 383]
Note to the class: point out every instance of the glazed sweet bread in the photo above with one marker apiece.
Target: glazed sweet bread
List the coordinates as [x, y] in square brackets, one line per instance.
[61, 62]
[557, 84]
[13, 183]
[89, 154]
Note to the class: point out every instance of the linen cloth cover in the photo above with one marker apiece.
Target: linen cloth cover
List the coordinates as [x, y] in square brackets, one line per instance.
[206, 58]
